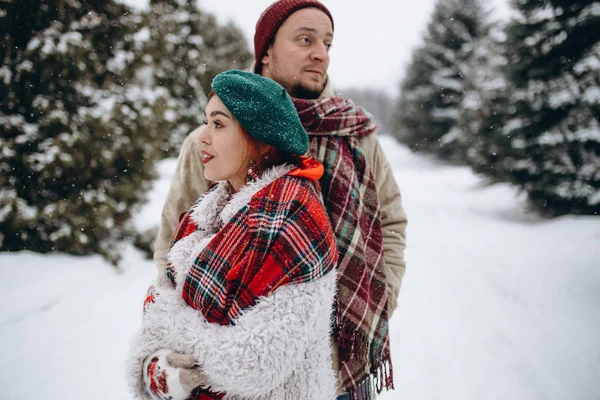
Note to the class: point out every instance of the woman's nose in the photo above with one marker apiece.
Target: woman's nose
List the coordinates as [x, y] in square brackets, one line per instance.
[204, 135]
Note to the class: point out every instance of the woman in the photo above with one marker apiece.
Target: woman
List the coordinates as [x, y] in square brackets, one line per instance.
[244, 310]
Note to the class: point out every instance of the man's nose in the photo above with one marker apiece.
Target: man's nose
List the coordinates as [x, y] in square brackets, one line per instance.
[320, 53]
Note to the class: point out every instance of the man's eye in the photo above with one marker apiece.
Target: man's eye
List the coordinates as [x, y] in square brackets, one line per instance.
[304, 40]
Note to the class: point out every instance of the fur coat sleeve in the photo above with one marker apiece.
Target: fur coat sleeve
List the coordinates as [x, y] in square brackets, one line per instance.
[249, 359]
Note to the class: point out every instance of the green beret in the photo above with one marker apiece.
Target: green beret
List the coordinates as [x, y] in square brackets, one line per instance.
[263, 108]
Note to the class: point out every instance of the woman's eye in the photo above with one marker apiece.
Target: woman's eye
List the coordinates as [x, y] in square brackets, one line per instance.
[217, 124]
[204, 122]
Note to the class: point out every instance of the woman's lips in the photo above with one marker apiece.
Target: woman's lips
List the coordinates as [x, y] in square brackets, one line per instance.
[206, 157]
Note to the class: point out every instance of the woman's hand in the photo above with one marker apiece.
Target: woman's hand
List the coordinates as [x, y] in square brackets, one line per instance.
[171, 375]
[190, 374]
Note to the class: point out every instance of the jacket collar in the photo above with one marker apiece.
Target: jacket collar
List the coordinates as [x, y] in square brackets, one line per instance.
[219, 205]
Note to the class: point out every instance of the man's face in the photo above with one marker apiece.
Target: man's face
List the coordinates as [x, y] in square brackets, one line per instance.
[299, 56]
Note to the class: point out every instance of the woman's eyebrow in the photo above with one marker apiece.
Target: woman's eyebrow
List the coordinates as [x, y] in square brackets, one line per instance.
[217, 112]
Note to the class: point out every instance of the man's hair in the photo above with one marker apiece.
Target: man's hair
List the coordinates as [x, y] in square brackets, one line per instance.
[271, 20]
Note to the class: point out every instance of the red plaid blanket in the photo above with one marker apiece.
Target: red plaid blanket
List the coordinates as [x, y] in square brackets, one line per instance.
[361, 332]
[282, 236]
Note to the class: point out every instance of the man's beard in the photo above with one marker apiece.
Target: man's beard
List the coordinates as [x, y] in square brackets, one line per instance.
[300, 92]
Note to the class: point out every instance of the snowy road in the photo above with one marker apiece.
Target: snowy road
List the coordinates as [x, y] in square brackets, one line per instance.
[496, 303]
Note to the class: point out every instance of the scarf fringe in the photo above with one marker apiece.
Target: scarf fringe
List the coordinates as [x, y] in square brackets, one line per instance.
[381, 378]
[383, 375]
[363, 391]
[353, 343]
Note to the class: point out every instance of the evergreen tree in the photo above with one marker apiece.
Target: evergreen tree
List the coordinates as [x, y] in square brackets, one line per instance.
[486, 106]
[78, 143]
[182, 48]
[554, 62]
[432, 91]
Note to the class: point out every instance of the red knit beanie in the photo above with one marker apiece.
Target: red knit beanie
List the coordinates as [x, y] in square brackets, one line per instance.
[272, 18]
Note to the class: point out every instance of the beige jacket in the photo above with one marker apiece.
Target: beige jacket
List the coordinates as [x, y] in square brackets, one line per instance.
[189, 183]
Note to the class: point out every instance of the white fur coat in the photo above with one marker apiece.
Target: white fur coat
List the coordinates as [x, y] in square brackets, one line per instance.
[278, 349]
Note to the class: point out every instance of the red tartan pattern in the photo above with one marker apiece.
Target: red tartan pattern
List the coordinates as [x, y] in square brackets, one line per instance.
[334, 117]
[283, 236]
[351, 200]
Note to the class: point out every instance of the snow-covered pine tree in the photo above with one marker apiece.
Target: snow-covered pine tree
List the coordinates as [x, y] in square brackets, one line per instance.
[432, 90]
[486, 106]
[181, 48]
[554, 61]
[77, 144]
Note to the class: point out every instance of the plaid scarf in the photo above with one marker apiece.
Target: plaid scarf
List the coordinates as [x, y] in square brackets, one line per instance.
[361, 321]
[280, 237]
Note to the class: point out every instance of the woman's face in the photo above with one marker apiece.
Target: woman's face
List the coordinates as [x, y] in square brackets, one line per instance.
[225, 146]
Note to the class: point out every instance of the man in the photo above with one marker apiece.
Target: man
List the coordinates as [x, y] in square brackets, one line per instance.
[291, 44]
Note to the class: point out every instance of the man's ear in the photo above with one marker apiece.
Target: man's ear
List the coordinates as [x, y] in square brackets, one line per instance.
[267, 57]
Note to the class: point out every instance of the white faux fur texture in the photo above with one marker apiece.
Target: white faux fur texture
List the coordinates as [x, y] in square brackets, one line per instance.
[243, 196]
[221, 204]
[278, 349]
[184, 253]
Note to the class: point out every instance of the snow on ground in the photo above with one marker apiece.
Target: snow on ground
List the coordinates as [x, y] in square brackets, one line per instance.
[496, 303]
